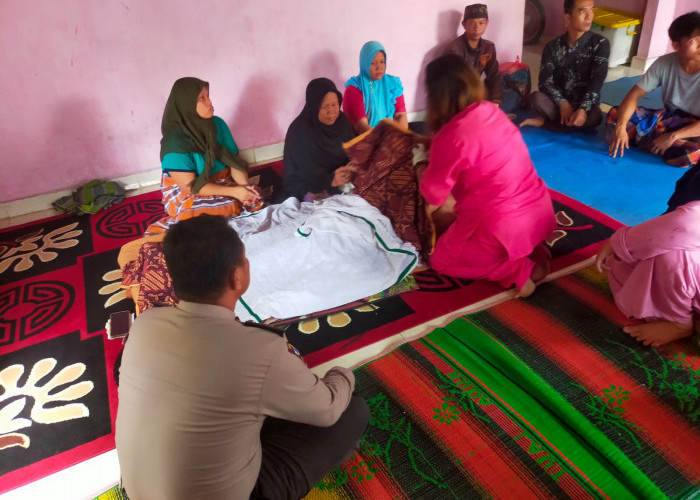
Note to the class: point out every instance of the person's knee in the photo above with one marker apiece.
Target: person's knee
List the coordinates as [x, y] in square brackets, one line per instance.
[542, 104]
[534, 99]
[595, 117]
[351, 428]
[357, 415]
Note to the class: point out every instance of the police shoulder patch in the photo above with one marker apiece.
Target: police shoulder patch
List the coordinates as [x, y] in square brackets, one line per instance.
[262, 326]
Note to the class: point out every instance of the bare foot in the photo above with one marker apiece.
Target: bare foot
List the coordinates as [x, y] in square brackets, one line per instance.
[526, 290]
[657, 333]
[533, 122]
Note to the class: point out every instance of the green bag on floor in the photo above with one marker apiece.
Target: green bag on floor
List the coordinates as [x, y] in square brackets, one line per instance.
[91, 197]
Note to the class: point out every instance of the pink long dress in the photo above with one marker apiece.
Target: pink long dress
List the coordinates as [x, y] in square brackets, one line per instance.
[503, 208]
[654, 272]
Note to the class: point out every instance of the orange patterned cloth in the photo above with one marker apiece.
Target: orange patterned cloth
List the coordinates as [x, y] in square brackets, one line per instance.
[387, 179]
[180, 206]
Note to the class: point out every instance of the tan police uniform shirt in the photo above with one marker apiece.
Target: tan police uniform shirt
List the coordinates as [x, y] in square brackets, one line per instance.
[195, 388]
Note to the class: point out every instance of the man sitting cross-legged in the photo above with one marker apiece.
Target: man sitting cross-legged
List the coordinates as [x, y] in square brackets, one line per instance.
[672, 132]
[574, 67]
[212, 408]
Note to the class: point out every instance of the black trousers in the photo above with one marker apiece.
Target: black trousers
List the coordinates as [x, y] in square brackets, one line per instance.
[687, 189]
[544, 106]
[296, 456]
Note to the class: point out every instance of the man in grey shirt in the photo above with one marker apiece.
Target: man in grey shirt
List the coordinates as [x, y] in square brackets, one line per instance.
[212, 408]
[672, 132]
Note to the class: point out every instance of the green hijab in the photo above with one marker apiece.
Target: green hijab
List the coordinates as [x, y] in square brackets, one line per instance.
[184, 131]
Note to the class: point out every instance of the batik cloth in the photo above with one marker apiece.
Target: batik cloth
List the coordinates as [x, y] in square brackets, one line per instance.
[646, 125]
[180, 206]
[387, 179]
[147, 278]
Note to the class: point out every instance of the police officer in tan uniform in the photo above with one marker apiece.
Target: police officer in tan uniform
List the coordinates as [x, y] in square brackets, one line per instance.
[212, 408]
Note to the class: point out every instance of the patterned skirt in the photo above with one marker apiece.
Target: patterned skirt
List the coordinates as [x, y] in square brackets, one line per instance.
[646, 125]
[179, 206]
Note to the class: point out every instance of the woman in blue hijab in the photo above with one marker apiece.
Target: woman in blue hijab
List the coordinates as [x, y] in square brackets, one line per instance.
[373, 95]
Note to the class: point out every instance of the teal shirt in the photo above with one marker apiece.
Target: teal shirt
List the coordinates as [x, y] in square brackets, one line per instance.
[194, 162]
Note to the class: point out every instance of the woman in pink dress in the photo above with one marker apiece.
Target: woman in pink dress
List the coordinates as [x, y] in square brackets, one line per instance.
[479, 162]
[654, 274]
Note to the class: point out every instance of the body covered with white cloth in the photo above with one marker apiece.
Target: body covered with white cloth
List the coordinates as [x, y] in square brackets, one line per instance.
[308, 257]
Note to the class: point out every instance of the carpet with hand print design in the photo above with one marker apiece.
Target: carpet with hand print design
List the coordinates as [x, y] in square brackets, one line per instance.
[59, 282]
[544, 397]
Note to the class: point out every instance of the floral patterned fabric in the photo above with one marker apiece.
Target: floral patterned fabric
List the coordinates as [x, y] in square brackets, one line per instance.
[181, 206]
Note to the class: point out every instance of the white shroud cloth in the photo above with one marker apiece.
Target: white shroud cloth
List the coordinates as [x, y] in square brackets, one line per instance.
[307, 257]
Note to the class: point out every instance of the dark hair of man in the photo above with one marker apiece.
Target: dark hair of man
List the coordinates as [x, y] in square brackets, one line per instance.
[452, 85]
[685, 26]
[201, 253]
[569, 6]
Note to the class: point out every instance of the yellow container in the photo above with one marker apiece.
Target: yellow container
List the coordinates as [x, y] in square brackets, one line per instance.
[622, 31]
[612, 18]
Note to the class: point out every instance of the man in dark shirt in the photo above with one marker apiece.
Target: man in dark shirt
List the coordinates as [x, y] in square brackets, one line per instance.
[574, 67]
[478, 52]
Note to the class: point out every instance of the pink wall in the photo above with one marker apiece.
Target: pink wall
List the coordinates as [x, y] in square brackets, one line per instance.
[683, 6]
[85, 81]
[554, 11]
[659, 14]
[654, 41]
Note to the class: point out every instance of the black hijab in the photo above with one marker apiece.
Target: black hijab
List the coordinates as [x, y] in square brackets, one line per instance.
[184, 131]
[312, 150]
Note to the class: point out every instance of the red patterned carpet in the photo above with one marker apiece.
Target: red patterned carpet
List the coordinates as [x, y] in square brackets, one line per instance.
[59, 282]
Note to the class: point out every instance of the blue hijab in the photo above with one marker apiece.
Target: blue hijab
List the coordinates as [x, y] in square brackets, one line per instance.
[379, 95]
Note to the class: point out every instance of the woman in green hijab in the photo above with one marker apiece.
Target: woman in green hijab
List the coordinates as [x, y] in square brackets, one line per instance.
[202, 170]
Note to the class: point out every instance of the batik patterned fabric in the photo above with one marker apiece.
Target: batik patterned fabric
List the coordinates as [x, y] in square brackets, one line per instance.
[180, 206]
[148, 279]
[538, 398]
[646, 125]
[576, 73]
[387, 179]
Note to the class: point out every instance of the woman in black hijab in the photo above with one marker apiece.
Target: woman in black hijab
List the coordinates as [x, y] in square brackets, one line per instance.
[314, 160]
